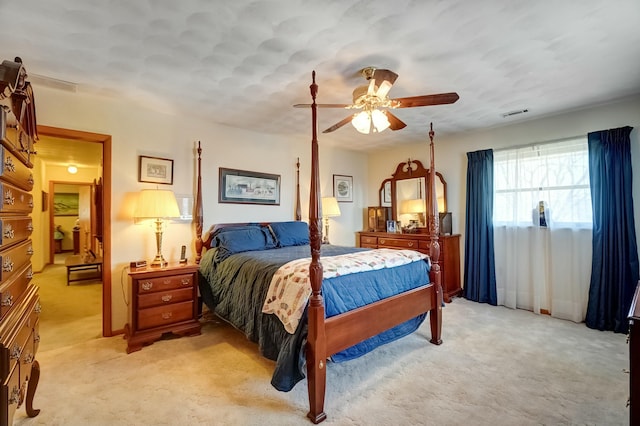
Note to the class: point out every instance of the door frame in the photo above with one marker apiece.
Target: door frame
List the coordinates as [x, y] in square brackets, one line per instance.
[105, 140]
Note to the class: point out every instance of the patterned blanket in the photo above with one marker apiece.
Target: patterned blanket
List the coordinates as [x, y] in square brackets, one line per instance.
[290, 289]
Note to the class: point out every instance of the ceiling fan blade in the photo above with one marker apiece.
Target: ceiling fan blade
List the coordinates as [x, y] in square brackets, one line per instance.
[426, 100]
[384, 81]
[338, 124]
[324, 106]
[394, 122]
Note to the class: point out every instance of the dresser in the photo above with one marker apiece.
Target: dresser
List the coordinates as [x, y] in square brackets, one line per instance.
[19, 301]
[163, 300]
[449, 254]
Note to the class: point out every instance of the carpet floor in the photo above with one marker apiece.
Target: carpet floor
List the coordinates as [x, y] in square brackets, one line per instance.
[496, 366]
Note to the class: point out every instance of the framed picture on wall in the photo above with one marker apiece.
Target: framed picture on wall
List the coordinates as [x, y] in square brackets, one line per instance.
[244, 187]
[343, 188]
[65, 203]
[155, 170]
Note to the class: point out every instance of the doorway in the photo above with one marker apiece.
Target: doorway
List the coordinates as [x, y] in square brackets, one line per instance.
[104, 212]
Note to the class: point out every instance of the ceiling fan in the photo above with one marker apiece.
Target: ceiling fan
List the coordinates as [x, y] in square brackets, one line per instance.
[373, 101]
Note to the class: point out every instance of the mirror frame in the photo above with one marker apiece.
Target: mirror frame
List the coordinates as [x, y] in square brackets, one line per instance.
[409, 169]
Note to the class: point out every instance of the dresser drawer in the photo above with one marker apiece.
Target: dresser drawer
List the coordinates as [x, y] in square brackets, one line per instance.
[163, 315]
[13, 137]
[14, 229]
[13, 289]
[15, 200]
[13, 259]
[397, 242]
[165, 297]
[371, 241]
[148, 285]
[14, 171]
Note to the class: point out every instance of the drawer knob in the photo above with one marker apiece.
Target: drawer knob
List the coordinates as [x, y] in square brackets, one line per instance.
[147, 285]
[8, 165]
[9, 233]
[7, 265]
[36, 338]
[167, 315]
[30, 180]
[30, 226]
[167, 298]
[9, 198]
[166, 282]
[28, 358]
[383, 241]
[14, 398]
[186, 281]
[29, 273]
[7, 300]
[30, 250]
[38, 308]
[15, 352]
[410, 244]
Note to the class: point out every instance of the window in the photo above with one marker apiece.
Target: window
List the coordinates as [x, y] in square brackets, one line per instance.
[554, 175]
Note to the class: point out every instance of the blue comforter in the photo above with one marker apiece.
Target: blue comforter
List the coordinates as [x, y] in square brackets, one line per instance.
[235, 289]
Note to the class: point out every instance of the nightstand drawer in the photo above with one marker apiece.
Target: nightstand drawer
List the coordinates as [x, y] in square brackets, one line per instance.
[149, 285]
[165, 297]
[163, 315]
[396, 242]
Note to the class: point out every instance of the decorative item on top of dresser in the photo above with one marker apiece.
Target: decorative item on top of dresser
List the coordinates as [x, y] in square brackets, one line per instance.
[162, 300]
[19, 301]
[377, 218]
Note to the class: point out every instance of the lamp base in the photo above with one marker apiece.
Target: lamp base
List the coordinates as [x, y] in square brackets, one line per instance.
[325, 237]
[159, 262]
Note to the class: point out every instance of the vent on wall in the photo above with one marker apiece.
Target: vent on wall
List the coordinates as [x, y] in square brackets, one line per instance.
[516, 112]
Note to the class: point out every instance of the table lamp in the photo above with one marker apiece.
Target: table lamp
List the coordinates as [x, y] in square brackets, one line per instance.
[158, 205]
[330, 208]
[415, 206]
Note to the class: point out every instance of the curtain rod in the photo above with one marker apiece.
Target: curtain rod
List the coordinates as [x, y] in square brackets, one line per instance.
[540, 143]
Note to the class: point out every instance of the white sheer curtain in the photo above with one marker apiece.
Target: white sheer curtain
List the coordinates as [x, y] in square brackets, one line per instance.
[542, 228]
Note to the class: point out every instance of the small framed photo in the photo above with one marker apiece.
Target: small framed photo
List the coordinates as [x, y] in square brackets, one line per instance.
[343, 188]
[391, 226]
[155, 170]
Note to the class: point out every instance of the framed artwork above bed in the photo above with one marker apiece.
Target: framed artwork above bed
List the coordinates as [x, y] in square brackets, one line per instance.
[244, 187]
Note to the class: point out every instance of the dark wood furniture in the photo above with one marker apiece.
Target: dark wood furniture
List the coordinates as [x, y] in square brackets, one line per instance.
[449, 254]
[76, 240]
[327, 336]
[634, 359]
[19, 301]
[76, 264]
[377, 218]
[163, 300]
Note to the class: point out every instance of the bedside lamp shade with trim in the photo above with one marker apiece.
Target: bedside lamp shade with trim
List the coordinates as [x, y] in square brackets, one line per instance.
[158, 205]
[330, 208]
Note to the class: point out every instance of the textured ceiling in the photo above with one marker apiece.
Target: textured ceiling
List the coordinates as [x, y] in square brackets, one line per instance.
[245, 63]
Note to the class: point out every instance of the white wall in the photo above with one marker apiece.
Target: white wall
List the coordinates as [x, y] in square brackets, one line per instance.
[137, 131]
[451, 150]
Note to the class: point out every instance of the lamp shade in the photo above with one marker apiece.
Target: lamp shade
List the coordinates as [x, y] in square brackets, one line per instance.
[330, 207]
[155, 204]
[412, 206]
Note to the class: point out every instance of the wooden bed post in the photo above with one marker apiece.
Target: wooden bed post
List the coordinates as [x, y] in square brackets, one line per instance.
[298, 208]
[316, 340]
[434, 247]
[198, 208]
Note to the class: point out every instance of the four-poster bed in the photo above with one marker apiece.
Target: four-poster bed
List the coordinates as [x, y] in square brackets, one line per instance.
[418, 289]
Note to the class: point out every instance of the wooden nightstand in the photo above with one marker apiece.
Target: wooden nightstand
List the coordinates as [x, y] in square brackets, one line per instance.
[163, 300]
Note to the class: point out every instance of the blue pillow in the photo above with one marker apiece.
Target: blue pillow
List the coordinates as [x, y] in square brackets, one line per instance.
[242, 239]
[293, 233]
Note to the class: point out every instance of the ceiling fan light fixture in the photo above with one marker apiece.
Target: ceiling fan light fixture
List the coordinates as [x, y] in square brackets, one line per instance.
[380, 121]
[362, 122]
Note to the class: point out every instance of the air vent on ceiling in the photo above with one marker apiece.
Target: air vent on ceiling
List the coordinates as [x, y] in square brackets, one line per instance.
[54, 83]
[516, 112]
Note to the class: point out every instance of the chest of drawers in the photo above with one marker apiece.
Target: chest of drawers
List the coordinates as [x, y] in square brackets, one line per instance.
[449, 254]
[19, 301]
[163, 300]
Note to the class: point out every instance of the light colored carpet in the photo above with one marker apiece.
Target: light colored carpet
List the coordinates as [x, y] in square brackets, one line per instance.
[496, 367]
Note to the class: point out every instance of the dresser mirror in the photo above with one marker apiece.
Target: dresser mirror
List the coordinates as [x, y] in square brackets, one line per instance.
[407, 191]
